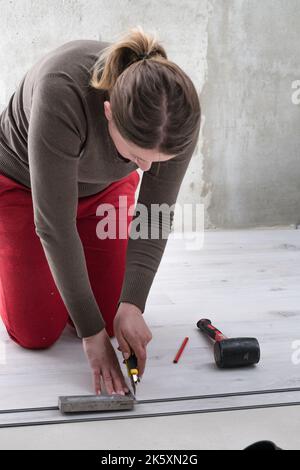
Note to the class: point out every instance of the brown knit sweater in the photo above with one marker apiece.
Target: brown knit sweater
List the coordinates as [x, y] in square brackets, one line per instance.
[54, 139]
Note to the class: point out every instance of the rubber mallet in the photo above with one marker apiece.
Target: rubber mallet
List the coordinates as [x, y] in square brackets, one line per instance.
[231, 352]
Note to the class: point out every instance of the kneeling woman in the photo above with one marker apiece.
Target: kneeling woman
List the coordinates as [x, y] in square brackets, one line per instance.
[82, 121]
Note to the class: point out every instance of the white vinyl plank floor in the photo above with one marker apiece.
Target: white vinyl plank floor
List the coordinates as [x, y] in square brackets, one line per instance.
[247, 282]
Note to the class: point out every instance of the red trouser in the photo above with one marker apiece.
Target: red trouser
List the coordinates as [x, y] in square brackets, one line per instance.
[33, 318]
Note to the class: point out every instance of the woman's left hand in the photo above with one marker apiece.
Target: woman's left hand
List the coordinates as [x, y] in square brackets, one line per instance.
[132, 333]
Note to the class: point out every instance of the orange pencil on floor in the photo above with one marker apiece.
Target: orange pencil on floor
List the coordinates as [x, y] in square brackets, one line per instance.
[180, 351]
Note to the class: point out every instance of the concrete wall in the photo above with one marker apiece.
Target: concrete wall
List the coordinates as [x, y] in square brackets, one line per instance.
[242, 55]
[252, 129]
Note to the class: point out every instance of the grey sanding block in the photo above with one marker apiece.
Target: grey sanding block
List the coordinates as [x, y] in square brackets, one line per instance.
[88, 403]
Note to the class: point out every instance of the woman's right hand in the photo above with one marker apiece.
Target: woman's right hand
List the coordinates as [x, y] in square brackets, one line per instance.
[104, 362]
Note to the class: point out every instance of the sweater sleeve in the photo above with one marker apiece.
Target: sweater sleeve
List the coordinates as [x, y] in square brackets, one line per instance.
[160, 185]
[55, 135]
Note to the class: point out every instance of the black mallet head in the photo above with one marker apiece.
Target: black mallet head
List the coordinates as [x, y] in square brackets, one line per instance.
[231, 352]
[237, 352]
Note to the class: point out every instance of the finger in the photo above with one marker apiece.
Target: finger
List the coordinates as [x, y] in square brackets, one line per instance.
[141, 354]
[139, 351]
[149, 337]
[119, 382]
[97, 381]
[124, 346]
[108, 381]
[118, 376]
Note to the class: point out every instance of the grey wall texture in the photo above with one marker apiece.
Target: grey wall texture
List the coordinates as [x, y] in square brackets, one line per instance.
[243, 57]
[251, 152]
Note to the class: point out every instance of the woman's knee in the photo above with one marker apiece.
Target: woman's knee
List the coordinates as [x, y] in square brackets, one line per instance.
[28, 340]
[44, 343]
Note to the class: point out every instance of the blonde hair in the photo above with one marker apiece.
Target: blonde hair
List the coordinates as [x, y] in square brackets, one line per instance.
[153, 101]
